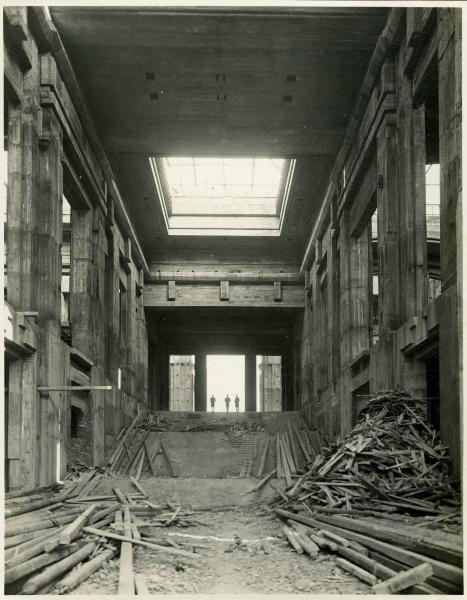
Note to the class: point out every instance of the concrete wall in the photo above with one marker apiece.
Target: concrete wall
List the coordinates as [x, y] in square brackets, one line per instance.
[381, 165]
[50, 153]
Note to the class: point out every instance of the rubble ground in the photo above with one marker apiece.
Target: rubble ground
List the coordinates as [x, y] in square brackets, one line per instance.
[251, 556]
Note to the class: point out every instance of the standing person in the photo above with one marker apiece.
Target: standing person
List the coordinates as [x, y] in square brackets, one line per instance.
[213, 402]
[237, 402]
[227, 402]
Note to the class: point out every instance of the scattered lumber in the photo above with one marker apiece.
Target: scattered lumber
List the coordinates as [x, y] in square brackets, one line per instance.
[357, 571]
[59, 568]
[71, 531]
[138, 487]
[448, 571]
[44, 559]
[290, 535]
[260, 484]
[121, 445]
[122, 538]
[263, 458]
[126, 583]
[404, 580]
[27, 507]
[391, 461]
[82, 572]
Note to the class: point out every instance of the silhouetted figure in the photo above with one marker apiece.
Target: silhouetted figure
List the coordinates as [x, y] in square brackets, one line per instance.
[213, 402]
[227, 402]
[237, 402]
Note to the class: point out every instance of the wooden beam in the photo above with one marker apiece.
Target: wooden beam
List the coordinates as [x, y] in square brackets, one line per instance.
[404, 580]
[71, 388]
[259, 295]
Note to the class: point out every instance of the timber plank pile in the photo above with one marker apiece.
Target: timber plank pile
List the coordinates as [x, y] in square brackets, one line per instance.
[367, 496]
[57, 540]
[391, 462]
[387, 558]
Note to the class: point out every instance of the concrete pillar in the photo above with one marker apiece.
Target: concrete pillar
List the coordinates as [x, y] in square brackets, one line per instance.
[48, 237]
[80, 279]
[250, 382]
[388, 225]
[201, 382]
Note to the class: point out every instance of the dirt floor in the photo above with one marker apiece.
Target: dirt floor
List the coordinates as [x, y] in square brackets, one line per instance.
[244, 554]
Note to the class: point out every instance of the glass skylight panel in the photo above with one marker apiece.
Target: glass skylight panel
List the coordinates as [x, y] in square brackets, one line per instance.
[192, 179]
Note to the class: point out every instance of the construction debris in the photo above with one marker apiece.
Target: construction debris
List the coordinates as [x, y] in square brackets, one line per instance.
[350, 499]
[58, 532]
[391, 462]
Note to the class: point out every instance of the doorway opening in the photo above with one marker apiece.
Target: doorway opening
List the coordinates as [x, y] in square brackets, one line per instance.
[225, 377]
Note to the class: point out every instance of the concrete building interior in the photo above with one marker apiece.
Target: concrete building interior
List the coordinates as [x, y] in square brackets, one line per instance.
[232, 281]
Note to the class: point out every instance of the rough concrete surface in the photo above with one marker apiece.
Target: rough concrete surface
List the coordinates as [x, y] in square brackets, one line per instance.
[261, 562]
[192, 491]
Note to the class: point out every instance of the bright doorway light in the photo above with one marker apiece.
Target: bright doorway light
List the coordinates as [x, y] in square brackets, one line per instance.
[225, 375]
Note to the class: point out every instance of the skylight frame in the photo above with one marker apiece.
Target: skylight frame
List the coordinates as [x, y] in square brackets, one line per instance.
[218, 224]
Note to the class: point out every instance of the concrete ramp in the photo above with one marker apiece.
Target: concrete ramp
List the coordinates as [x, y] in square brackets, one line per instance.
[208, 445]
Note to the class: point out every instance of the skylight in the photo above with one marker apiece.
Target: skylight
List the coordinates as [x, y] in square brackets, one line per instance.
[222, 195]
[199, 185]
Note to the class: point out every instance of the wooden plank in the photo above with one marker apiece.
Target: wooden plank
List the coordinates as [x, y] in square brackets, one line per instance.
[121, 498]
[439, 550]
[71, 388]
[407, 557]
[121, 538]
[404, 580]
[291, 536]
[126, 583]
[73, 529]
[119, 448]
[263, 458]
[37, 562]
[136, 483]
[357, 571]
[139, 468]
[59, 568]
[81, 573]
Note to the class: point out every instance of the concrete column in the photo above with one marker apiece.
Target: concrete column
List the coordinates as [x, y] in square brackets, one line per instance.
[388, 225]
[250, 382]
[201, 382]
[49, 221]
[80, 279]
